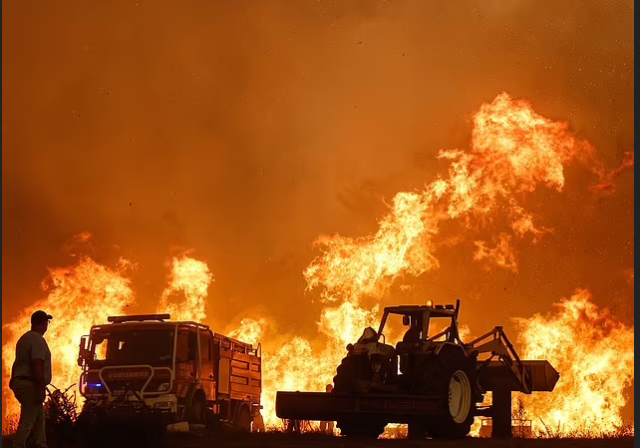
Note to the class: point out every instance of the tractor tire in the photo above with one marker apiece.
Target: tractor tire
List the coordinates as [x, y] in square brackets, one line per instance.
[451, 375]
[352, 369]
[364, 428]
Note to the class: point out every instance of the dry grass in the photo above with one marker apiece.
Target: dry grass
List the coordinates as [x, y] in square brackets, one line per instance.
[311, 440]
[62, 413]
[584, 432]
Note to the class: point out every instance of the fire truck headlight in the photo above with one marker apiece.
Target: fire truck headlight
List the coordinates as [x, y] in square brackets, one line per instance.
[163, 387]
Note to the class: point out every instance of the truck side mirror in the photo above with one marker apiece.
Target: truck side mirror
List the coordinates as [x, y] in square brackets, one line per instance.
[406, 320]
[83, 352]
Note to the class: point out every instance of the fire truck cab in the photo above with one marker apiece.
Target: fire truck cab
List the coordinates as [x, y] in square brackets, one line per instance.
[181, 370]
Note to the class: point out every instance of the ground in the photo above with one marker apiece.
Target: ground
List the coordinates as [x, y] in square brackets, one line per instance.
[316, 441]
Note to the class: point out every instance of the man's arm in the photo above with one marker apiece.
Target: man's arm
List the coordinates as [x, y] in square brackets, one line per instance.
[37, 369]
[38, 356]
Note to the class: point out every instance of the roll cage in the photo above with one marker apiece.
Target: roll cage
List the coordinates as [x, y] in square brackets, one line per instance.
[422, 314]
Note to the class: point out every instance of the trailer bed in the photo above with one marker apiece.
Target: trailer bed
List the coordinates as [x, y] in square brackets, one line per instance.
[331, 406]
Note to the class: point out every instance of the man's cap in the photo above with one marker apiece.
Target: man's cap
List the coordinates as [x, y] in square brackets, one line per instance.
[40, 317]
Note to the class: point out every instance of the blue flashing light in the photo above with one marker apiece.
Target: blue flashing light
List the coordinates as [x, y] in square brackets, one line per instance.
[96, 385]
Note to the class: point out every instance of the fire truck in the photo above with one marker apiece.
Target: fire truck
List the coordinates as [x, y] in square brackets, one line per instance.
[180, 371]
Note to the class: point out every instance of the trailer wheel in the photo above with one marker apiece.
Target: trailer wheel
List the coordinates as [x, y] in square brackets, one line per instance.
[364, 428]
[242, 422]
[451, 375]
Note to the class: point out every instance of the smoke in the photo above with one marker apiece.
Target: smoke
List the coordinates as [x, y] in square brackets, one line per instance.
[246, 129]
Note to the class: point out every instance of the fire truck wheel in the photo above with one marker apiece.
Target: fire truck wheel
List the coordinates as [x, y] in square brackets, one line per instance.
[196, 414]
[243, 420]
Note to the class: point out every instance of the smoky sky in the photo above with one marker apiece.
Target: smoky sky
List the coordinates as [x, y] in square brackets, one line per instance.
[243, 130]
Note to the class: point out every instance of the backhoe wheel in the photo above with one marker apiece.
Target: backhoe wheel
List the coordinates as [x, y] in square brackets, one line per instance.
[365, 428]
[352, 369]
[451, 374]
[242, 422]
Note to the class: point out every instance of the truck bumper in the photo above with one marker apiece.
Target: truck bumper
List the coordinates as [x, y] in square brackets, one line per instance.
[331, 407]
[127, 412]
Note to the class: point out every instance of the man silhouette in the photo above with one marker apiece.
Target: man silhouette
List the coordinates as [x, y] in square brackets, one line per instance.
[30, 375]
[326, 427]
[415, 330]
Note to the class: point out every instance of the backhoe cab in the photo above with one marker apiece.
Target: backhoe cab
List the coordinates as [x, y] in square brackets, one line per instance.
[419, 317]
[383, 358]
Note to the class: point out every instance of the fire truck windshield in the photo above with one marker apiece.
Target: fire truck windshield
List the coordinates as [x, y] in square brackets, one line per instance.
[115, 347]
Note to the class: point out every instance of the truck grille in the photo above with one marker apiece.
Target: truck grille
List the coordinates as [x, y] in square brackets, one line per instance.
[134, 378]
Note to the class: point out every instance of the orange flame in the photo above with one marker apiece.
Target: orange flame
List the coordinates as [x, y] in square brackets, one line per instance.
[78, 297]
[249, 331]
[607, 178]
[501, 255]
[191, 278]
[513, 150]
[594, 354]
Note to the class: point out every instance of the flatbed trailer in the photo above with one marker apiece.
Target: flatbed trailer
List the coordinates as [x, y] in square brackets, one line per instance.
[368, 405]
[402, 408]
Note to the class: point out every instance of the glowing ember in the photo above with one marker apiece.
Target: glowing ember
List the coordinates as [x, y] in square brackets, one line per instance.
[78, 297]
[191, 278]
[594, 354]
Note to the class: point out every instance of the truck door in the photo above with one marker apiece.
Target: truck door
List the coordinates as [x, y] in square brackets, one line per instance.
[224, 366]
[186, 364]
[206, 358]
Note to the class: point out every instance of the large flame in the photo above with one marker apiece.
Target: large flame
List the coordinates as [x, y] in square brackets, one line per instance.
[78, 297]
[249, 330]
[594, 354]
[513, 150]
[192, 278]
